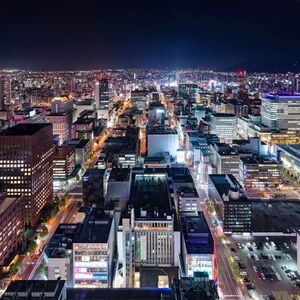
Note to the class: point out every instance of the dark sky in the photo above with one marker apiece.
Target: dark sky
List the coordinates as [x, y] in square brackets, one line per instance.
[258, 35]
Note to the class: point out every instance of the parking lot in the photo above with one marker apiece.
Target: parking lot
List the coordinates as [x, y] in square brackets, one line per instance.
[267, 264]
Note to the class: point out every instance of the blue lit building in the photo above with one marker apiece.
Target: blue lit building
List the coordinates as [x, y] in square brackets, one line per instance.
[281, 112]
[198, 245]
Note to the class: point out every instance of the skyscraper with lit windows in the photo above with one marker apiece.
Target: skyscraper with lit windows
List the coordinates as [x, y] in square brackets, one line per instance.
[26, 166]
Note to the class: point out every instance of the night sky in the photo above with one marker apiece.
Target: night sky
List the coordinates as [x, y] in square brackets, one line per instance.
[221, 34]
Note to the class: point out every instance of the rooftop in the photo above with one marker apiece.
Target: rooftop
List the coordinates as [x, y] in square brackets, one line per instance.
[119, 174]
[224, 149]
[62, 240]
[223, 115]
[6, 202]
[24, 129]
[150, 191]
[161, 130]
[282, 96]
[276, 216]
[259, 160]
[291, 149]
[223, 183]
[85, 102]
[77, 143]
[197, 236]
[96, 227]
[34, 289]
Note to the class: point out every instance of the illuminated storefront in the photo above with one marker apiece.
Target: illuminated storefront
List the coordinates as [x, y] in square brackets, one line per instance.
[200, 263]
[90, 261]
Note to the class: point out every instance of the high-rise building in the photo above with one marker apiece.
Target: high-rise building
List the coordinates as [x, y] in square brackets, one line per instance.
[5, 91]
[61, 104]
[12, 213]
[233, 208]
[102, 98]
[281, 112]
[2, 94]
[61, 117]
[26, 166]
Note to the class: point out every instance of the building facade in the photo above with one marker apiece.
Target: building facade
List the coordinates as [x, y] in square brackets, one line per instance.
[12, 216]
[281, 112]
[26, 166]
[224, 126]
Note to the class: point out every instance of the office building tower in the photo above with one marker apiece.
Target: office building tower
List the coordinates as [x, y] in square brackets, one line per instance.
[12, 216]
[102, 98]
[148, 234]
[58, 256]
[26, 166]
[281, 112]
[156, 114]
[61, 104]
[148, 238]
[260, 172]
[289, 156]
[139, 98]
[296, 84]
[61, 117]
[224, 126]
[5, 91]
[2, 94]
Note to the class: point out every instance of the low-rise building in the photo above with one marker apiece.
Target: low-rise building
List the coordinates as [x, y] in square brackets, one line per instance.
[225, 159]
[58, 253]
[188, 199]
[83, 148]
[259, 172]
[233, 208]
[198, 245]
[93, 252]
[224, 126]
[63, 162]
[36, 289]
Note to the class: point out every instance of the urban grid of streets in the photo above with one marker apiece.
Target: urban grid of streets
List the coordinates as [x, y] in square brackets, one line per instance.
[228, 287]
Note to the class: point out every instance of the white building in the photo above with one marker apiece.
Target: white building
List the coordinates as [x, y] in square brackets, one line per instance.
[225, 159]
[281, 112]
[94, 251]
[162, 139]
[224, 126]
[147, 238]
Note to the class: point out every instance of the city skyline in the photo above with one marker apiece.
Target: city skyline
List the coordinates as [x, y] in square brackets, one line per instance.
[150, 150]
